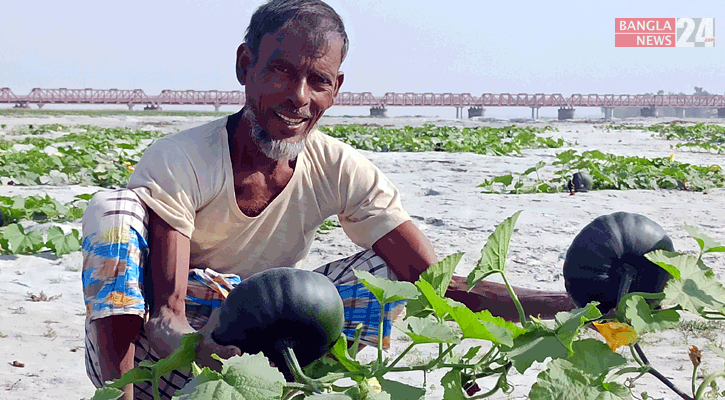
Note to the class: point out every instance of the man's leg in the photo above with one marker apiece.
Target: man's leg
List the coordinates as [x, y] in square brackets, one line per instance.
[360, 305]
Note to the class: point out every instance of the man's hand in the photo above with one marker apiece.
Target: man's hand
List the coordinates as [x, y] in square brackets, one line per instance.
[208, 346]
[165, 330]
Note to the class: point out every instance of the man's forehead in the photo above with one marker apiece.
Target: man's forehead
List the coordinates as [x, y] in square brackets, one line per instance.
[295, 42]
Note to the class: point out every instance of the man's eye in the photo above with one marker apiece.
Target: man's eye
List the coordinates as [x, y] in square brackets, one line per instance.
[281, 68]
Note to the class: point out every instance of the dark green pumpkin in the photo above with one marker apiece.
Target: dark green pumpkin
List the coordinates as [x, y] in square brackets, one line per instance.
[606, 259]
[282, 307]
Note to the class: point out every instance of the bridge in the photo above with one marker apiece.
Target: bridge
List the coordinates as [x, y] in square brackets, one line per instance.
[378, 104]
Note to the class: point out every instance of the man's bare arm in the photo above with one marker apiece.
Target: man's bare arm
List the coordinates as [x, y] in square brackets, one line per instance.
[169, 271]
[408, 252]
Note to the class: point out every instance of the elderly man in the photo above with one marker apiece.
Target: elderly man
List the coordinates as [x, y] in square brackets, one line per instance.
[220, 202]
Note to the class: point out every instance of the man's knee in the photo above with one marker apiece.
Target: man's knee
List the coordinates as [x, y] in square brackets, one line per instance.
[112, 345]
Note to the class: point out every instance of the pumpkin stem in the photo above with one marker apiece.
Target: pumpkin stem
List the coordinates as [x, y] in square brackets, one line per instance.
[290, 359]
[630, 273]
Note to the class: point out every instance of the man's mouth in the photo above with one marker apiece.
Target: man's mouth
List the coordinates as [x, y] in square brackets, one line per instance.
[290, 120]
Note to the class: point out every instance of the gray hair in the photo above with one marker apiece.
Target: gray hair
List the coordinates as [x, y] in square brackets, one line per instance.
[316, 17]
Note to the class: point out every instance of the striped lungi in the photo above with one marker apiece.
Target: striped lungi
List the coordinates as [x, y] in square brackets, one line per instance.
[115, 248]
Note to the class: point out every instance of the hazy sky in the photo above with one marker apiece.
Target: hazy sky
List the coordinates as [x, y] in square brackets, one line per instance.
[476, 47]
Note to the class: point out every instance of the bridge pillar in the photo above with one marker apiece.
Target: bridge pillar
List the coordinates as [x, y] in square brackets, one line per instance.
[40, 105]
[476, 112]
[130, 106]
[680, 112]
[378, 112]
[648, 112]
[608, 112]
[216, 107]
[721, 112]
[566, 113]
[535, 113]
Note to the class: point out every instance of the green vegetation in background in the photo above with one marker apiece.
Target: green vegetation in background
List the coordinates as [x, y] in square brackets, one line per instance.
[481, 140]
[707, 138]
[102, 157]
[610, 171]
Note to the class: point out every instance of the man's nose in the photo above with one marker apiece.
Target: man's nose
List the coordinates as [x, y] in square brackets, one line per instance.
[300, 92]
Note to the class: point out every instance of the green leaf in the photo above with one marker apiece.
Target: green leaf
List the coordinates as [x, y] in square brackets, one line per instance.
[670, 261]
[452, 388]
[481, 325]
[706, 243]
[536, 345]
[253, 377]
[182, 357]
[107, 393]
[581, 376]
[643, 319]
[570, 322]
[339, 350]
[594, 357]
[439, 274]
[21, 242]
[494, 252]
[329, 396]
[248, 377]
[386, 290]
[426, 330]
[505, 179]
[697, 289]
[61, 243]
[441, 305]
[401, 391]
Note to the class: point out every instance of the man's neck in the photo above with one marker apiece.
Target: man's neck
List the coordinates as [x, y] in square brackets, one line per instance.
[245, 154]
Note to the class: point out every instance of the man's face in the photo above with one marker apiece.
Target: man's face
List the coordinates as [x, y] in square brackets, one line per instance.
[288, 85]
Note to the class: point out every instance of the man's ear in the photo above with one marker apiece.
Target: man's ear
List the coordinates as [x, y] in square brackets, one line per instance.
[245, 60]
[338, 82]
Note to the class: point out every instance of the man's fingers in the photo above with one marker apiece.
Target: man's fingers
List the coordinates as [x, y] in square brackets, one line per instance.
[228, 351]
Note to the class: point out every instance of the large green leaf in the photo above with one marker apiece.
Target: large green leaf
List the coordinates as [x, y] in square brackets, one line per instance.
[61, 243]
[643, 319]
[253, 377]
[697, 289]
[401, 391]
[494, 252]
[670, 261]
[452, 388]
[107, 393]
[386, 290]
[570, 322]
[441, 305]
[427, 330]
[562, 380]
[536, 345]
[481, 325]
[594, 357]
[339, 350]
[21, 242]
[581, 376]
[439, 274]
[706, 243]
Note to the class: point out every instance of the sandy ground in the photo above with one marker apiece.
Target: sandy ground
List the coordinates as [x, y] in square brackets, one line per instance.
[439, 192]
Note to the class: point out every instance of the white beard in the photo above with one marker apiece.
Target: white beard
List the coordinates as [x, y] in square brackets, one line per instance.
[277, 150]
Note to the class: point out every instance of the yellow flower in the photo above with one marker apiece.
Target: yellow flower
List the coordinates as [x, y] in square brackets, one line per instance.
[672, 157]
[374, 385]
[616, 334]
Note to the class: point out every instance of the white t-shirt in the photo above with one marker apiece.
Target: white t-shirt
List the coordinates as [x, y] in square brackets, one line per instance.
[187, 179]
